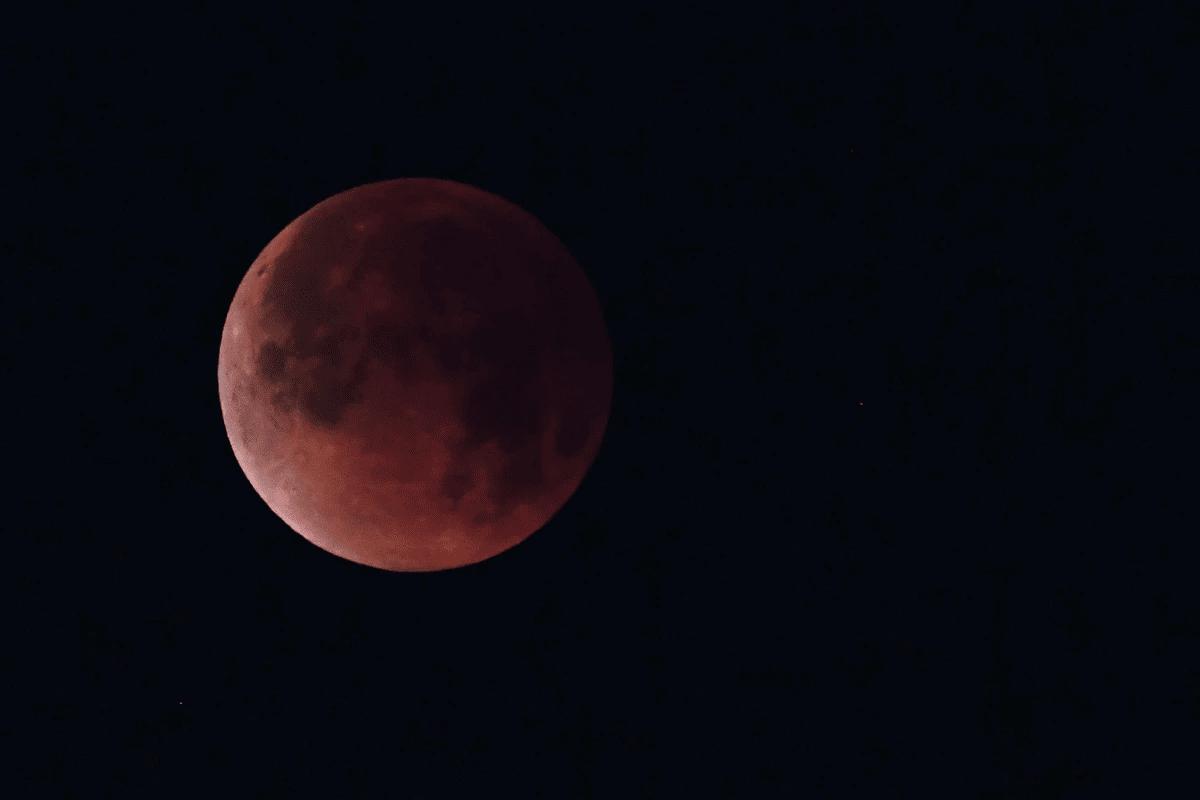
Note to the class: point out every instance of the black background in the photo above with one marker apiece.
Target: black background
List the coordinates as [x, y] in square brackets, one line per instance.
[897, 496]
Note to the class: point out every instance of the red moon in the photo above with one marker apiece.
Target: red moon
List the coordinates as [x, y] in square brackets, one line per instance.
[415, 375]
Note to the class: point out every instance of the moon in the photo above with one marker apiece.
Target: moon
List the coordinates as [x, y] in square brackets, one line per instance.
[415, 374]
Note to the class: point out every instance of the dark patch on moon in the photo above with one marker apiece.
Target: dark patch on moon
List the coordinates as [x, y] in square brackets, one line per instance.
[272, 361]
[455, 485]
[328, 391]
[394, 346]
[325, 403]
[452, 355]
[331, 346]
[504, 408]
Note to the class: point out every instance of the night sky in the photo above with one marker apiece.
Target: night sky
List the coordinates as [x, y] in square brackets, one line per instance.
[897, 496]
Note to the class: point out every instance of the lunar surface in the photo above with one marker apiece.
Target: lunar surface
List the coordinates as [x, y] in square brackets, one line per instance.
[415, 375]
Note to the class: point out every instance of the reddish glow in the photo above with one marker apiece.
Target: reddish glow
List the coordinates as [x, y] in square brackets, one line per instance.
[415, 375]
